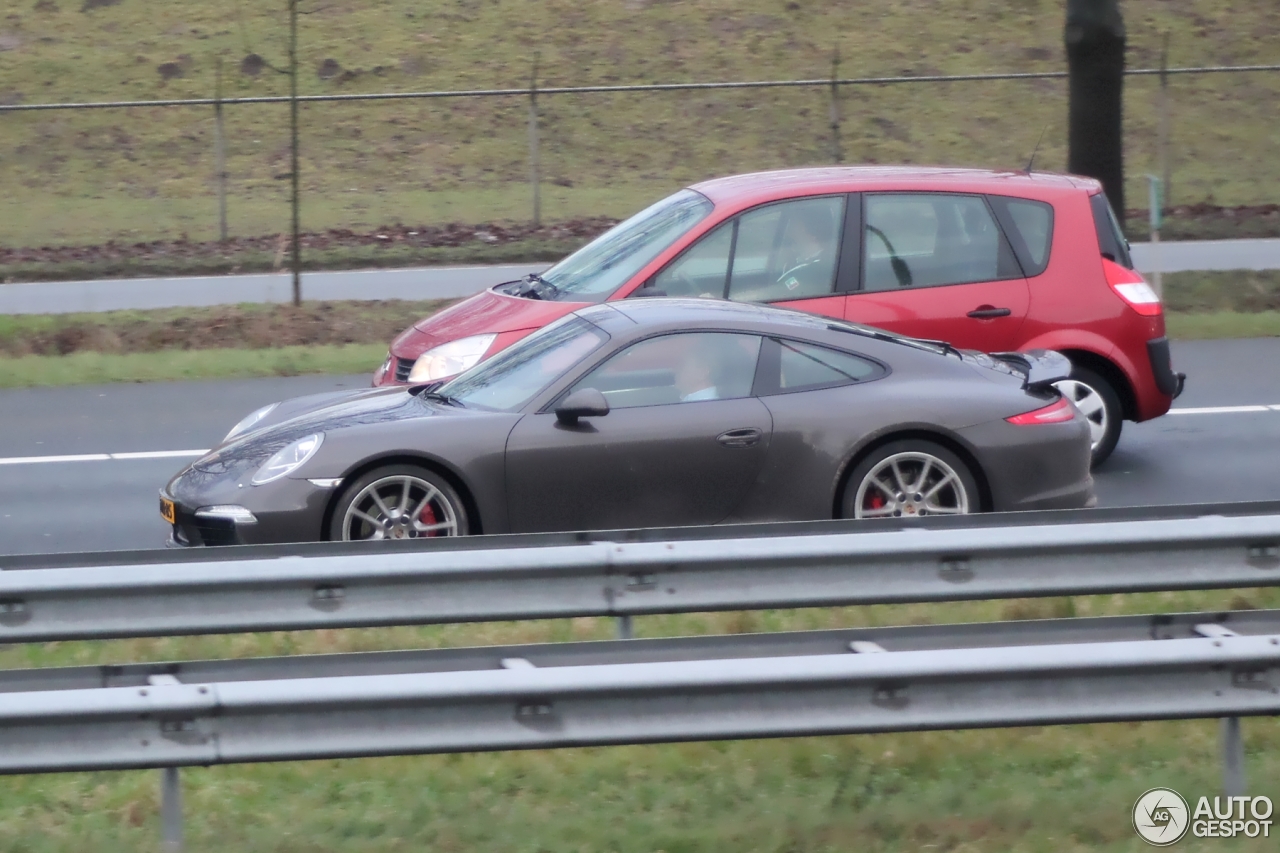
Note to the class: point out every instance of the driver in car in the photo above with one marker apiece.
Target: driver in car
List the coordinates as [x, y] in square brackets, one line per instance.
[706, 372]
[812, 243]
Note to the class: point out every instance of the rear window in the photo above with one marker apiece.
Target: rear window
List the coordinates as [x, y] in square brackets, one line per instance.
[1031, 224]
[1111, 241]
[798, 366]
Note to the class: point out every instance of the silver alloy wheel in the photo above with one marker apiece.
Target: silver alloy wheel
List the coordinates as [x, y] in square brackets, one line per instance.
[1091, 405]
[399, 507]
[910, 484]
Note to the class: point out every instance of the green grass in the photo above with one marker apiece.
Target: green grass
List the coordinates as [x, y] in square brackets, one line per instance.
[84, 177]
[1221, 325]
[1034, 789]
[250, 326]
[87, 368]
[1241, 291]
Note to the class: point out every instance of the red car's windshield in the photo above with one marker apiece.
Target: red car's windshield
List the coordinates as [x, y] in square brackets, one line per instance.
[599, 268]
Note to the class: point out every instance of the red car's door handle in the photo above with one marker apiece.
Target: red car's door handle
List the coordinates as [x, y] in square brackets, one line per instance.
[987, 312]
[747, 437]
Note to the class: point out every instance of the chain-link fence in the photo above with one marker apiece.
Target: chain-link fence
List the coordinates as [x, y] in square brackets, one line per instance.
[199, 169]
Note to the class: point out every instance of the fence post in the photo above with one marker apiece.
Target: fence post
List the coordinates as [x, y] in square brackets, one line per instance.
[533, 144]
[296, 263]
[171, 810]
[1233, 782]
[1155, 216]
[835, 105]
[624, 628]
[1165, 165]
[220, 153]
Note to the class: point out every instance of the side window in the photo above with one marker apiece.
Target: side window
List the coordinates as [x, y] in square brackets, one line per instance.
[702, 270]
[680, 368]
[931, 239]
[1030, 222]
[804, 367]
[787, 250]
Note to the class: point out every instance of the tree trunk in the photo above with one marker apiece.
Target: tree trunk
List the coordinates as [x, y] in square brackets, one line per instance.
[1095, 41]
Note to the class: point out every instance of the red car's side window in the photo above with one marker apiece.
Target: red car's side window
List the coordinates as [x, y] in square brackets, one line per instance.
[931, 239]
[777, 252]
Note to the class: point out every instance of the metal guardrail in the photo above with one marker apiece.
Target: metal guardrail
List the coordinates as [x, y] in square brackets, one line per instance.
[522, 706]
[442, 585]
[168, 715]
[913, 638]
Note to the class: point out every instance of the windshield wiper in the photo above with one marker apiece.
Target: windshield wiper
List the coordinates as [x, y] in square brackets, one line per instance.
[534, 286]
[443, 398]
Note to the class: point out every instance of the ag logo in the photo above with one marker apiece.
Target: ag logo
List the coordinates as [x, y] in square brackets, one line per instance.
[1160, 817]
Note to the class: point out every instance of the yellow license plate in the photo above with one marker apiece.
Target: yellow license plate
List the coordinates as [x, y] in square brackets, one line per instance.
[166, 510]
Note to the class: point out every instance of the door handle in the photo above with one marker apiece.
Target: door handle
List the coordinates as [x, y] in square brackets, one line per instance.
[745, 437]
[987, 312]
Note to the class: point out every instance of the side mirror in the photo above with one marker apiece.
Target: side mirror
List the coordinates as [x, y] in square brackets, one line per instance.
[583, 403]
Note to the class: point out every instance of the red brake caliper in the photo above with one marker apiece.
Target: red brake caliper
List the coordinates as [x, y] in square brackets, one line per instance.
[875, 501]
[428, 517]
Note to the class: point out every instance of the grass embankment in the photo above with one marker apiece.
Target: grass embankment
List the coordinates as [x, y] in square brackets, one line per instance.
[85, 177]
[392, 247]
[202, 343]
[1050, 789]
[352, 337]
[1224, 304]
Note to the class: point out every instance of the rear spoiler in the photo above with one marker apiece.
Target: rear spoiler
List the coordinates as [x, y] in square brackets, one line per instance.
[1040, 368]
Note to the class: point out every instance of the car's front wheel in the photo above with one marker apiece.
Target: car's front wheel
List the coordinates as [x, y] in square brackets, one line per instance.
[398, 502]
[910, 478]
[1099, 403]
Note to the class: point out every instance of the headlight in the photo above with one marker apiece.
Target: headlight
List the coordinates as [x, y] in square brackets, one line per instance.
[451, 358]
[249, 421]
[288, 460]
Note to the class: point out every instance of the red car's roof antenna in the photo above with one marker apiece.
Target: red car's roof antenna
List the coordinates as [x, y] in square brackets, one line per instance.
[1036, 149]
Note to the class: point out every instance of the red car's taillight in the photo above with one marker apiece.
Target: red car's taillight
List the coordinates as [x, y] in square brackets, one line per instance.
[1056, 412]
[1133, 289]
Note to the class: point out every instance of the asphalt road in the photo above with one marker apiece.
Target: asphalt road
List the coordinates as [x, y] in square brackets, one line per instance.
[447, 282]
[104, 495]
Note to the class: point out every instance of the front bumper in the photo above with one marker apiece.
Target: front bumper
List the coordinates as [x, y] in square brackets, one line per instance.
[286, 510]
[191, 531]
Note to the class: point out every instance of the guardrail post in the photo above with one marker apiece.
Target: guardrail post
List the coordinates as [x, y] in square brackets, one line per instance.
[624, 628]
[171, 810]
[1233, 782]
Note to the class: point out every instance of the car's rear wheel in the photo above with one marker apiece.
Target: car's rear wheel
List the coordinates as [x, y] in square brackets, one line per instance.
[1100, 404]
[908, 478]
[398, 502]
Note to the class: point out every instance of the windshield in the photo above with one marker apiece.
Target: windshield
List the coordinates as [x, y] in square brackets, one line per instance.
[511, 378]
[606, 263]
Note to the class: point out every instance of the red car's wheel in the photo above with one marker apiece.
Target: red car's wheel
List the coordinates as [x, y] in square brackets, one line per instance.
[1099, 403]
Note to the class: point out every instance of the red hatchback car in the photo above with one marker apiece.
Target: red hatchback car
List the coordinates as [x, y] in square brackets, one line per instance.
[985, 260]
